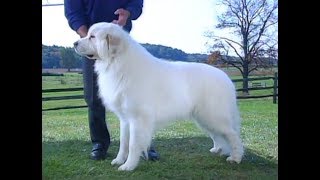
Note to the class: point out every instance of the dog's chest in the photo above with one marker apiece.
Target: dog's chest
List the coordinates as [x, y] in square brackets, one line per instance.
[110, 91]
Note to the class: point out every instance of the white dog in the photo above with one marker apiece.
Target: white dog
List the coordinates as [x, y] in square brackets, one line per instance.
[147, 93]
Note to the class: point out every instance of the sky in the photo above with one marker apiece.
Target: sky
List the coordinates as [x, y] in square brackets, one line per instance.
[178, 24]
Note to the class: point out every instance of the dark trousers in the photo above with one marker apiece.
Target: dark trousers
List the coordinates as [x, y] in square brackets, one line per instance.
[96, 111]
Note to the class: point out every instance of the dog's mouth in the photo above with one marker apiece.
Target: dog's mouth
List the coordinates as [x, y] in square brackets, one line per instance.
[89, 56]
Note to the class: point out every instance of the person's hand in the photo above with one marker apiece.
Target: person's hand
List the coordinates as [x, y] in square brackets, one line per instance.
[123, 17]
[82, 31]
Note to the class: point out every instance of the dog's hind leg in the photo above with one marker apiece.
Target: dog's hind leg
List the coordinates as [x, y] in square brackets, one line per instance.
[124, 143]
[140, 138]
[236, 146]
[225, 137]
[220, 145]
[227, 142]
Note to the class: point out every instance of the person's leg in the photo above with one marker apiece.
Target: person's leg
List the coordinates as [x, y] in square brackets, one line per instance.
[99, 133]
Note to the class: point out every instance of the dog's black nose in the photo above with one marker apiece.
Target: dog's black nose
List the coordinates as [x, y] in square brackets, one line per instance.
[75, 44]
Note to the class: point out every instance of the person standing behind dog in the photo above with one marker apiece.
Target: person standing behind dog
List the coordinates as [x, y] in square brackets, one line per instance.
[81, 14]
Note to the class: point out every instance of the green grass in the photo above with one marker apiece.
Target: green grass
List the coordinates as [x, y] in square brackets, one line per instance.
[69, 80]
[184, 149]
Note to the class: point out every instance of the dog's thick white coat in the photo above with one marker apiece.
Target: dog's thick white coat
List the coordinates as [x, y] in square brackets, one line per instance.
[147, 93]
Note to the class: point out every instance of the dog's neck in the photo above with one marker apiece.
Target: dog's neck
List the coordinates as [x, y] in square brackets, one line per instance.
[133, 56]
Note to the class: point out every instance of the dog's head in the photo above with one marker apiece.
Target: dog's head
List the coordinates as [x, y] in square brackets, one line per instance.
[103, 41]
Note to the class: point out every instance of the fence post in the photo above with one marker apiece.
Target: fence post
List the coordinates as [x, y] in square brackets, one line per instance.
[275, 88]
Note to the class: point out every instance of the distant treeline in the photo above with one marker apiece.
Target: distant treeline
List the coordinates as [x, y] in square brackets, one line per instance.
[51, 55]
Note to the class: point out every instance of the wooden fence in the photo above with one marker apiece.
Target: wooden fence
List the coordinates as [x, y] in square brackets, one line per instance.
[255, 85]
[259, 86]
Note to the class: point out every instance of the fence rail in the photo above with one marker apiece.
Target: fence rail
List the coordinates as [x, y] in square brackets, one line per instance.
[65, 107]
[62, 98]
[61, 90]
[274, 94]
[253, 79]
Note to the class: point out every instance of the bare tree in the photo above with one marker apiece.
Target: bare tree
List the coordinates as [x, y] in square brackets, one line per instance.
[253, 43]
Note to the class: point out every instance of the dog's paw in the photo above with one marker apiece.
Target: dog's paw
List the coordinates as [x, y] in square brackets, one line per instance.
[117, 161]
[232, 159]
[126, 167]
[215, 150]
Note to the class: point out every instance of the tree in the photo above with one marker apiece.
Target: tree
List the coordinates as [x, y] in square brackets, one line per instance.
[253, 40]
[213, 57]
[51, 56]
[68, 60]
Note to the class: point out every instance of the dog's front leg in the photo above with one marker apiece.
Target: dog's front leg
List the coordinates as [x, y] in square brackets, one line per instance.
[140, 139]
[124, 143]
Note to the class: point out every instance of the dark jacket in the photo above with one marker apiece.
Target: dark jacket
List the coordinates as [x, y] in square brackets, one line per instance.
[88, 12]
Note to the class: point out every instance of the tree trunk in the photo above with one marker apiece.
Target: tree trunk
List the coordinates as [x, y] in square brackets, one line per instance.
[245, 82]
[245, 66]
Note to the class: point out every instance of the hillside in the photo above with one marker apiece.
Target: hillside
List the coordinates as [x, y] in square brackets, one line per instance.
[51, 55]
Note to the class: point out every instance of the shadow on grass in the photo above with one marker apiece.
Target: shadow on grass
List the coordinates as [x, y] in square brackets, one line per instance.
[187, 157]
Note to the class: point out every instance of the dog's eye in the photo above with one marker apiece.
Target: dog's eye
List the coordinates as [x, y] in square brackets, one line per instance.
[92, 36]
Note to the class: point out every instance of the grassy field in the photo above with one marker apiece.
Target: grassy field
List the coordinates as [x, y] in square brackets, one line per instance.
[184, 149]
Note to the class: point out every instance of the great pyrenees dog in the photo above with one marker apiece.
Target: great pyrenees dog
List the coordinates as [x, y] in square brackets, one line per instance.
[147, 93]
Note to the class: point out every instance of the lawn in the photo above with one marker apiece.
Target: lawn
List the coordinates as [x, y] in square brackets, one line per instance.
[184, 149]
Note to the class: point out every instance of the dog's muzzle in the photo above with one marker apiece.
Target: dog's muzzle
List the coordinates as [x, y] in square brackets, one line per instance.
[75, 45]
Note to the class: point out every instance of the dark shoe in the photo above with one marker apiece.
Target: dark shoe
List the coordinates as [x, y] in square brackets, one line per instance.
[98, 152]
[153, 155]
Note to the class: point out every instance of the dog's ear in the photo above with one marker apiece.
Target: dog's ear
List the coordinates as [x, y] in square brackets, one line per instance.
[113, 42]
[110, 46]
